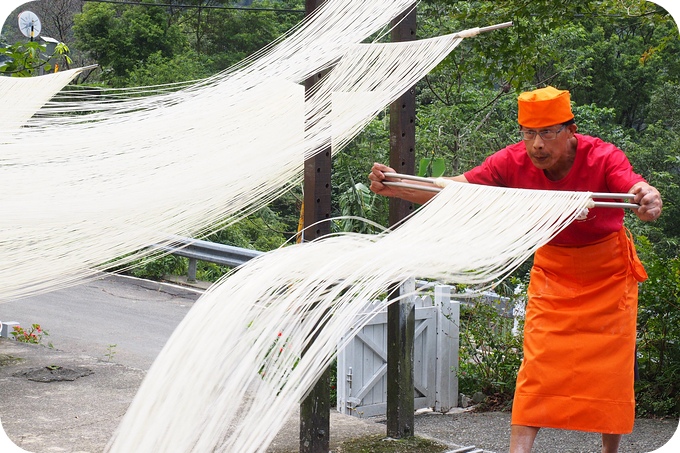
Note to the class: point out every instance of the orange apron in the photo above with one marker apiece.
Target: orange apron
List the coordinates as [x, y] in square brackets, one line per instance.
[579, 338]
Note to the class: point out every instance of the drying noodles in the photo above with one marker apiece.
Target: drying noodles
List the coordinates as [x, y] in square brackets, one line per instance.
[233, 368]
[126, 174]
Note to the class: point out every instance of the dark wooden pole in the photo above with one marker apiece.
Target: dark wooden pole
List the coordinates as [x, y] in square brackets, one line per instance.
[401, 315]
[315, 408]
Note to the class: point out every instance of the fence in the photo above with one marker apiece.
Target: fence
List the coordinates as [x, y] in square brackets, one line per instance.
[362, 363]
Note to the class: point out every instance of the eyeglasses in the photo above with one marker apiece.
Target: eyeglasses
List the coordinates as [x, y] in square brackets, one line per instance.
[547, 134]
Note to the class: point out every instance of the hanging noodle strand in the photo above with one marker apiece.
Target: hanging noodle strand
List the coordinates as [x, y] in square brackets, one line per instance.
[226, 378]
[104, 185]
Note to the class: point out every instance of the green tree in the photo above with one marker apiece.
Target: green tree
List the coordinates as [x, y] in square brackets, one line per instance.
[120, 38]
[153, 44]
[229, 36]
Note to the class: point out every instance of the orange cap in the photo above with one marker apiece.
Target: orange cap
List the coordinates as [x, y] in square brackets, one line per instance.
[544, 107]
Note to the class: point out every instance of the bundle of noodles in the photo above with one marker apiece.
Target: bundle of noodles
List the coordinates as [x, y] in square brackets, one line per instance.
[235, 366]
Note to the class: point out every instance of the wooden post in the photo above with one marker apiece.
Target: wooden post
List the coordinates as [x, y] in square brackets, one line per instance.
[401, 315]
[401, 322]
[402, 125]
[315, 408]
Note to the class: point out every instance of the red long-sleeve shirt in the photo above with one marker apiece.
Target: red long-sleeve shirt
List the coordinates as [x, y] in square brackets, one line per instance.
[598, 167]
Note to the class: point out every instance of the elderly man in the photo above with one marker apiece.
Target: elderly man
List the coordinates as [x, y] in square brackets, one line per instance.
[579, 335]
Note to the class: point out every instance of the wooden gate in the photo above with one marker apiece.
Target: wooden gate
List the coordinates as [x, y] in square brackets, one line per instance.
[362, 364]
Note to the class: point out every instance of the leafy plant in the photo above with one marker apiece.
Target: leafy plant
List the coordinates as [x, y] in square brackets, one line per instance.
[156, 269]
[33, 334]
[490, 349]
[110, 352]
[23, 59]
[658, 389]
[431, 167]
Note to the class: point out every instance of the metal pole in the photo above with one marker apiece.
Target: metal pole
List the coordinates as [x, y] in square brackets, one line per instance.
[401, 314]
[315, 408]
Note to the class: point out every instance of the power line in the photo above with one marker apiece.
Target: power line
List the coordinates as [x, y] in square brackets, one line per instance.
[240, 8]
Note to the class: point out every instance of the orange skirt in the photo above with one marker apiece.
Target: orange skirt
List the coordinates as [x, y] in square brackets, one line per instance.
[579, 338]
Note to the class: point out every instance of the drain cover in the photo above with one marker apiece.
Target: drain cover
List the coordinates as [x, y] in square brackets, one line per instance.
[54, 373]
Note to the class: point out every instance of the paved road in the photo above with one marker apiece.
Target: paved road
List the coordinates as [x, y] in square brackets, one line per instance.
[136, 315]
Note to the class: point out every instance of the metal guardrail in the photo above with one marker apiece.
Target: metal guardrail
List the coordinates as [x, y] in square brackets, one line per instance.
[212, 252]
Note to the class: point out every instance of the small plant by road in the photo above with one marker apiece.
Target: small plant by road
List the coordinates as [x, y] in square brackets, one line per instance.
[110, 352]
[33, 334]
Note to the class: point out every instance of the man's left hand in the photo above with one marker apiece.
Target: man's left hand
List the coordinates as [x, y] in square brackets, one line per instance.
[649, 200]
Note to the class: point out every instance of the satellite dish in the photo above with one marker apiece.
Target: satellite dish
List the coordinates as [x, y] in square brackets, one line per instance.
[29, 24]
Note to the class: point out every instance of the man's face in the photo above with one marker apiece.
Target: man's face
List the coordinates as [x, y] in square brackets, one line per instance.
[550, 155]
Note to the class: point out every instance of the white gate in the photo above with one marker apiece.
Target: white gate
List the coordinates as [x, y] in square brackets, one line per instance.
[362, 364]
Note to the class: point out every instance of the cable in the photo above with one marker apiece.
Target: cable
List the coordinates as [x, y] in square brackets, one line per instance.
[242, 8]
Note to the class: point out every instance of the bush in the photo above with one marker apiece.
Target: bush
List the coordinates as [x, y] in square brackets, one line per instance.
[658, 388]
[490, 352]
[157, 268]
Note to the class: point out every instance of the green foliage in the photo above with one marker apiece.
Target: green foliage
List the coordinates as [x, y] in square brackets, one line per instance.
[33, 334]
[658, 390]
[349, 175]
[264, 230]
[148, 45]
[158, 69]
[655, 153]
[355, 202]
[462, 128]
[230, 36]
[490, 353]
[24, 59]
[431, 167]
[599, 122]
[157, 268]
[121, 38]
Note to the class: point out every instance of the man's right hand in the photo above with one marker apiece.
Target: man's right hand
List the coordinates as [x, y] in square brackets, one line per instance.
[377, 176]
[414, 195]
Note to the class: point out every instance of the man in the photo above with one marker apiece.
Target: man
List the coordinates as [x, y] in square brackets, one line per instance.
[579, 336]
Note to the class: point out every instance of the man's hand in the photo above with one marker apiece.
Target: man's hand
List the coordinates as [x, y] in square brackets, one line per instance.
[414, 195]
[377, 176]
[649, 200]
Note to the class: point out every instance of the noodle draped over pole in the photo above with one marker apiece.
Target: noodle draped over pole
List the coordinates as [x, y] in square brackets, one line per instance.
[199, 397]
[129, 171]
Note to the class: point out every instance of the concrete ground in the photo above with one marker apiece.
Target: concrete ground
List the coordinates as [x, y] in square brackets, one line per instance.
[71, 401]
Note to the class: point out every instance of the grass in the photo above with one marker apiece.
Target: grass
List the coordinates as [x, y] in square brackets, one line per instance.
[381, 444]
[6, 359]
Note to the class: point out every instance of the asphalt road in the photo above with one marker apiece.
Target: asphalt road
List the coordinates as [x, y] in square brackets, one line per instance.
[85, 319]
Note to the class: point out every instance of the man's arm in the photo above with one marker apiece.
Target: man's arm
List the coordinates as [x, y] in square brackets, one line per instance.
[377, 176]
[649, 200]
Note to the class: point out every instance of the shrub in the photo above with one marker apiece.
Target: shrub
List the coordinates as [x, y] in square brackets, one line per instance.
[658, 388]
[490, 351]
